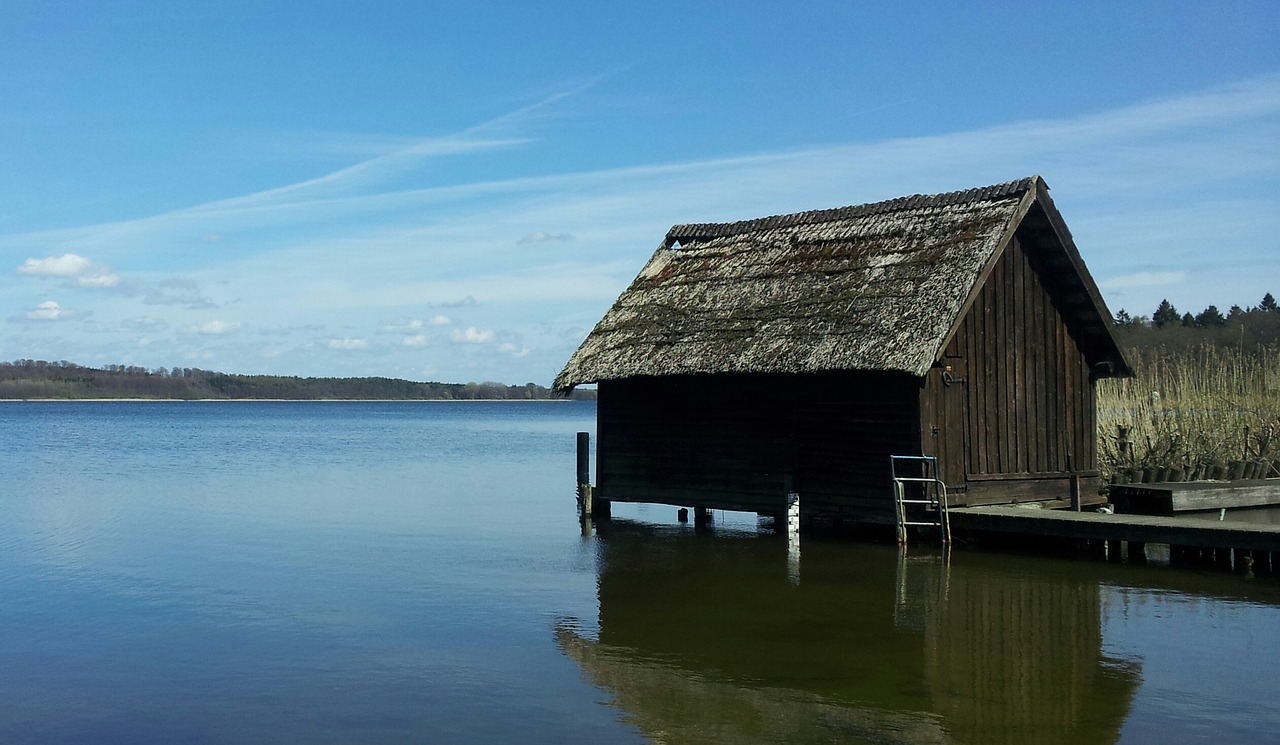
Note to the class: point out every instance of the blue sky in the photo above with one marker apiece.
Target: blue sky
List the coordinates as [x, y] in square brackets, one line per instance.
[458, 193]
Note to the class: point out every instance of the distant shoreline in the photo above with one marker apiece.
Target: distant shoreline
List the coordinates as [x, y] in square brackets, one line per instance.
[38, 380]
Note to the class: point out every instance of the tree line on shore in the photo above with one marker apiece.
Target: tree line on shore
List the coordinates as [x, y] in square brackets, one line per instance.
[1243, 328]
[39, 379]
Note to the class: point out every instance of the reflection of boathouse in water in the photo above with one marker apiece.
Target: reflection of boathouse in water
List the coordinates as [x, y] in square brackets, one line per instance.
[802, 350]
[710, 641]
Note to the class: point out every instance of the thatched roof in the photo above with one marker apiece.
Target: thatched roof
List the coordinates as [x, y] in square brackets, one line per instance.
[873, 287]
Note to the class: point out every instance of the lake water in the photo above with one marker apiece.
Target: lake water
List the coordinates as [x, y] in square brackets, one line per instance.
[414, 572]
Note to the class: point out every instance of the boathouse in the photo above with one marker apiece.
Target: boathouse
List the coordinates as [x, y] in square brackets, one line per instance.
[798, 352]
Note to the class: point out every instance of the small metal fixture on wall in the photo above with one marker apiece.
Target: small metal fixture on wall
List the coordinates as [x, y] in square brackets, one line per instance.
[949, 378]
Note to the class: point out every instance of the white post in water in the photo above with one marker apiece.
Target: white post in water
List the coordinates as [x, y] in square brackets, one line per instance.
[793, 536]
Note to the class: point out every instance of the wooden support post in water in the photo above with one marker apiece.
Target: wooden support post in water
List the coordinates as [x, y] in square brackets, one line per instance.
[1114, 552]
[1137, 552]
[1243, 562]
[1075, 492]
[584, 508]
[701, 518]
[584, 458]
[793, 529]
[584, 475]
[589, 505]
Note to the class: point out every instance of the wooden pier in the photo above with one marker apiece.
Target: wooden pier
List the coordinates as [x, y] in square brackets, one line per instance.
[1194, 496]
[1135, 529]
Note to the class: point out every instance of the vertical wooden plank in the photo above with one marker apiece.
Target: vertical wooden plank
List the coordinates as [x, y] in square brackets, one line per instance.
[1042, 384]
[1073, 395]
[1028, 347]
[956, 413]
[1029, 369]
[1010, 356]
[973, 430]
[1091, 422]
[996, 394]
[1078, 400]
[1009, 403]
[1068, 389]
[1051, 378]
[989, 375]
[995, 359]
[1020, 378]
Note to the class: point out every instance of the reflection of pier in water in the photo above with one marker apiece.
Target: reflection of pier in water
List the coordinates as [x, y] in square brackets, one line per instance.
[710, 641]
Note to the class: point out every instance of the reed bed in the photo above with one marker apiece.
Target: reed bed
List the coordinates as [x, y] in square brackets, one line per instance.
[1204, 413]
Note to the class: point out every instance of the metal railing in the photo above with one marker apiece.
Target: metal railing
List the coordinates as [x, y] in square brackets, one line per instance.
[926, 505]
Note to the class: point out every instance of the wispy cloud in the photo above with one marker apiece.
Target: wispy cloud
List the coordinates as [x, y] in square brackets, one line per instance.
[472, 335]
[541, 237]
[403, 326]
[86, 273]
[348, 344]
[49, 310]
[179, 291]
[215, 328]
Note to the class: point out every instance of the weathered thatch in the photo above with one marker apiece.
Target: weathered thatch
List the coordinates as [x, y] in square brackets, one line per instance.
[874, 287]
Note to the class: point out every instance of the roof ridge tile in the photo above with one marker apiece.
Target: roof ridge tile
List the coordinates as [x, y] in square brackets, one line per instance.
[810, 217]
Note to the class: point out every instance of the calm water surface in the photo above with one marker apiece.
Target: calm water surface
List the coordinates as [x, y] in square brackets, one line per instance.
[413, 572]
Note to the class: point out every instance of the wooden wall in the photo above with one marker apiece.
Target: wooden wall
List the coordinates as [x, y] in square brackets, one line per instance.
[734, 441]
[846, 431]
[713, 441]
[1023, 420]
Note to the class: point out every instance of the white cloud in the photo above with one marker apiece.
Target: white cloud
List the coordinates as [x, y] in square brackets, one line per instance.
[472, 336]
[541, 237]
[99, 280]
[348, 343]
[71, 266]
[49, 310]
[440, 320]
[67, 265]
[403, 326]
[513, 350]
[214, 328]
[417, 340]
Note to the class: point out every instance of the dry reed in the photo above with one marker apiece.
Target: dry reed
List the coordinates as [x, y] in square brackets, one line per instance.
[1206, 413]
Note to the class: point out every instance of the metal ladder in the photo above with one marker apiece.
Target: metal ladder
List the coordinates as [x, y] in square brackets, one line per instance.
[929, 507]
